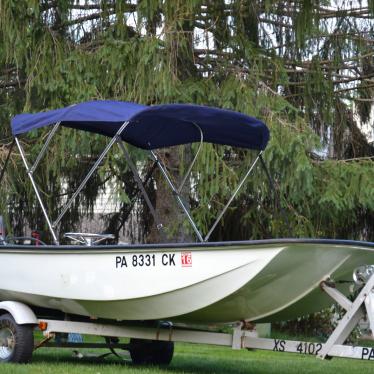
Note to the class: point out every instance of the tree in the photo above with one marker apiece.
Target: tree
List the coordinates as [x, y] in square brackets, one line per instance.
[305, 67]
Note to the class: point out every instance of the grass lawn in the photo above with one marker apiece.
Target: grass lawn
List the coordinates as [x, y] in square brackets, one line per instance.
[190, 358]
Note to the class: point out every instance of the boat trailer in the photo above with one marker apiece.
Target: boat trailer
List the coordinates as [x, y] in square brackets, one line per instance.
[154, 345]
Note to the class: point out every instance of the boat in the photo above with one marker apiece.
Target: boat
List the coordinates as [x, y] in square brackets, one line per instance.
[266, 280]
[195, 283]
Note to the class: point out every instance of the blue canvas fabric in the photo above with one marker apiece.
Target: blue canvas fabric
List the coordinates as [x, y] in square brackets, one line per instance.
[152, 127]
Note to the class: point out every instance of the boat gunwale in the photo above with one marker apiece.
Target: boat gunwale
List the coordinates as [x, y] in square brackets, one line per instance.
[159, 247]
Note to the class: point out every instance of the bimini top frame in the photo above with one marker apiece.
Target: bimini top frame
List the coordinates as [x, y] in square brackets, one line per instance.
[148, 128]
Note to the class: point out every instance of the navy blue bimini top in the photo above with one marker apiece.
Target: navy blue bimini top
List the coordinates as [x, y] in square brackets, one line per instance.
[152, 127]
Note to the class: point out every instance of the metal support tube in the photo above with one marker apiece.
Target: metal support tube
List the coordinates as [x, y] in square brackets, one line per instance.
[336, 295]
[149, 333]
[349, 321]
[141, 187]
[232, 197]
[194, 160]
[175, 192]
[369, 304]
[88, 176]
[29, 173]
[45, 146]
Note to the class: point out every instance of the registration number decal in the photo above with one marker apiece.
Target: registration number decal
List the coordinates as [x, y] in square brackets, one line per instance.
[145, 260]
[186, 259]
[301, 347]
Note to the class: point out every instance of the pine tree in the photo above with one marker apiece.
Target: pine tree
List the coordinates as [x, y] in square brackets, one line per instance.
[305, 67]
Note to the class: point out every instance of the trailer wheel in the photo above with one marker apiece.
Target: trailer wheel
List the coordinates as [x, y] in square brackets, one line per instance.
[16, 341]
[151, 352]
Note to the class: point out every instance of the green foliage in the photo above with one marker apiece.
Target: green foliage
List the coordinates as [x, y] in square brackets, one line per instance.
[191, 358]
[279, 64]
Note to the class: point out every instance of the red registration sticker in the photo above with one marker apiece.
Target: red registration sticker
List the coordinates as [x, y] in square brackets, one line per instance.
[186, 259]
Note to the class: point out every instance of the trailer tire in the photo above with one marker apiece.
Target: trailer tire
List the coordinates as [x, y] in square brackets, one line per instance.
[151, 352]
[16, 341]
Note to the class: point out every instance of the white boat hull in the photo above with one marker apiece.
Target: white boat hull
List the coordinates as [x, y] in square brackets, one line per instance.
[264, 280]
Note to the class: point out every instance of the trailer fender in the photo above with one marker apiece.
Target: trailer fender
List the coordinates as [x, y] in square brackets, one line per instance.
[21, 313]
